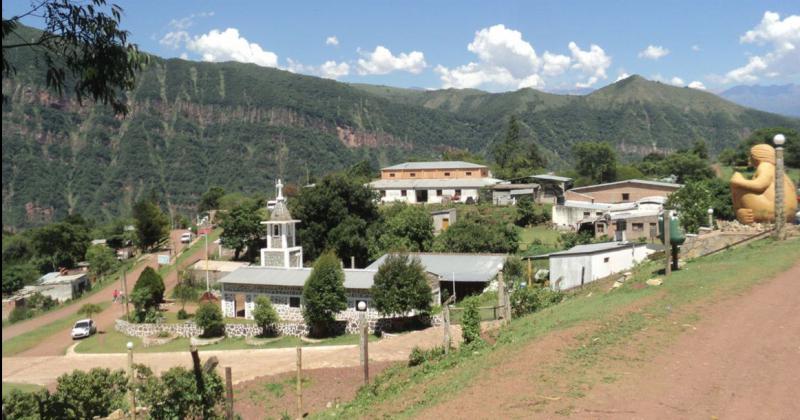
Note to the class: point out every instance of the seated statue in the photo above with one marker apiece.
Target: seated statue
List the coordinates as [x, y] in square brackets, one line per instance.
[754, 199]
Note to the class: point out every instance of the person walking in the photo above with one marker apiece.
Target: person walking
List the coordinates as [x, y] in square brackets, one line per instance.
[115, 295]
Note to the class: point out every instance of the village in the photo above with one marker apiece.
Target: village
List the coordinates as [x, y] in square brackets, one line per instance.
[400, 210]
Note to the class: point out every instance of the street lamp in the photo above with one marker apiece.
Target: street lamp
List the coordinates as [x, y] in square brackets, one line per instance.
[131, 379]
[361, 307]
[711, 218]
[779, 140]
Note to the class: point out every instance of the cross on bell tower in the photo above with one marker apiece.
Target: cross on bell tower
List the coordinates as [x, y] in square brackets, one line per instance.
[282, 250]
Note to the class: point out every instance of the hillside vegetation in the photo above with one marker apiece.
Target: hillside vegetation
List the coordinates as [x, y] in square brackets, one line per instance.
[196, 124]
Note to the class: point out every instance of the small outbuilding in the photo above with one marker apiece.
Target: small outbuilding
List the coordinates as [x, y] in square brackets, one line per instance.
[507, 194]
[584, 264]
[442, 219]
[216, 269]
[62, 285]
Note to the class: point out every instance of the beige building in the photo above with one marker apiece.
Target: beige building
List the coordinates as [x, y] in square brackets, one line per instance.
[433, 182]
[628, 191]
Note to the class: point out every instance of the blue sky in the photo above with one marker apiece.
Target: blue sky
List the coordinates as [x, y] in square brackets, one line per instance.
[496, 46]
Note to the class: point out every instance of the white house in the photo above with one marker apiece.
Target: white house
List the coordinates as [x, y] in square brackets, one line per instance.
[584, 264]
[433, 182]
[570, 214]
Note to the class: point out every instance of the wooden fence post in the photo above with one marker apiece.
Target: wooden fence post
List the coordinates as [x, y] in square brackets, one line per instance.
[229, 393]
[446, 324]
[299, 382]
[667, 247]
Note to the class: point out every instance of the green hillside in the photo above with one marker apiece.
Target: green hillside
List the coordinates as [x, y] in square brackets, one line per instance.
[197, 124]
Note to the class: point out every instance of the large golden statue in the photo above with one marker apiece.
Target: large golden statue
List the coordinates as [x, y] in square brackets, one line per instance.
[754, 199]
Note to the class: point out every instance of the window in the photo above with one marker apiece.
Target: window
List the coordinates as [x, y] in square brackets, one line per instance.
[483, 172]
[383, 193]
[606, 259]
[601, 228]
[458, 193]
[391, 175]
[586, 214]
[438, 193]
[599, 213]
[294, 301]
[469, 173]
[638, 227]
[403, 193]
[447, 174]
[626, 196]
[276, 230]
[412, 174]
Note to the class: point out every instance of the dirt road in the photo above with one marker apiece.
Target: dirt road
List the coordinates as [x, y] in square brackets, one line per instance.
[245, 364]
[741, 360]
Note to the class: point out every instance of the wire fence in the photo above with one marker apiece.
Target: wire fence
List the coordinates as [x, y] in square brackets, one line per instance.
[487, 313]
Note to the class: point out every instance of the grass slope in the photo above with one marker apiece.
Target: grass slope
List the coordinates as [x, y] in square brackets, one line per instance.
[612, 319]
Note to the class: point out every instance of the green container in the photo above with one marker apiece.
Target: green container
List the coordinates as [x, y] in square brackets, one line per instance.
[676, 234]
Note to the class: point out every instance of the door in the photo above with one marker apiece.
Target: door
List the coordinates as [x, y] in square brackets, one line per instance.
[421, 196]
[445, 223]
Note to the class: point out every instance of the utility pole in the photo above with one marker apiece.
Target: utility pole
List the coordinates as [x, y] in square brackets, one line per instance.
[208, 283]
[361, 307]
[667, 247]
[127, 298]
[228, 394]
[131, 379]
[780, 219]
[446, 324]
[299, 382]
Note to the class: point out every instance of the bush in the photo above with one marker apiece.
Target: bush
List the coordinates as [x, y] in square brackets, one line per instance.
[401, 286]
[41, 302]
[148, 292]
[324, 294]
[471, 320]
[19, 313]
[209, 318]
[265, 315]
[419, 356]
[527, 300]
[182, 314]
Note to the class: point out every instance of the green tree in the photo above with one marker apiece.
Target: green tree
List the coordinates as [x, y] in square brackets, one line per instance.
[210, 199]
[363, 170]
[404, 227]
[184, 292]
[333, 201]
[17, 249]
[525, 212]
[102, 260]
[85, 395]
[695, 198]
[17, 276]
[209, 318]
[81, 44]
[625, 172]
[241, 228]
[515, 159]
[176, 394]
[152, 225]
[596, 161]
[61, 244]
[700, 149]
[474, 234]
[471, 321]
[265, 315]
[90, 309]
[401, 286]
[765, 135]
[324, 294]
[148, 292]
[510, 147]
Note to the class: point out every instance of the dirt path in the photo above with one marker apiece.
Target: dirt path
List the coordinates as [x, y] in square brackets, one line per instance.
[741, 360]
[245, 364]
[56, 343]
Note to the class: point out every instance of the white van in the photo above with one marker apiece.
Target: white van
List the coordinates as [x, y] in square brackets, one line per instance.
[186, 238]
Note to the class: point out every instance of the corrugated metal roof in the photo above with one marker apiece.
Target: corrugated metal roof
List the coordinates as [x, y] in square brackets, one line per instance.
[552, 178]
[449, 164]
[388, 184]
[595, 248]
[629, 181]
[217, 265]
[585, 205]
[462, 267]
[296, 277]
[511, 187]
[56, 278]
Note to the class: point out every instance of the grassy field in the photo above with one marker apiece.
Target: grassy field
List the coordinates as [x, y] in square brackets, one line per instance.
[30, 339]
[10, 386]
[115, 342]
[544, 234]
[405, 392]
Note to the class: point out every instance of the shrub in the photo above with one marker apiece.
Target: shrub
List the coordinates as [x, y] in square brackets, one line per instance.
[527, 300]
[19, 313]
[419, 356]
[84, 395]
[182, 314]
[209, 318]
[471, 321]
[148, 291]
[41, 302]
[175, 394]
[265, 315]
[324, 294]
[401, 286]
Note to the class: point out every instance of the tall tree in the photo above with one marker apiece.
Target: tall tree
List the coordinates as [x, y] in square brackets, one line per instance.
[241, 228]
[509, 147]
[82, 45]
[401, 286]
[61, 244]
[336, 200]
[101, 259]
[596, 161]
[404, 227]
[152, 225]
[210, 199]
[324, 294]
[478, 235]
[148, 292]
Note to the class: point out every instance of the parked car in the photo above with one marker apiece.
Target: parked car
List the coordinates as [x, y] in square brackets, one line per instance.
[83, 328]
[186, 238]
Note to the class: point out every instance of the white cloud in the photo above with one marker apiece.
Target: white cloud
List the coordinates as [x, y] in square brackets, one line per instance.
[228, 45]
[592, 62]
[174, 39]
[697, 85]
[621, 76]
[677, 81]
[653, 52]
[185, 23]
[329, 69]
[696, 48]
[382, 61]
[555, 64]
[783, 58]
[473, 75]
[503, 47]
[332, 40]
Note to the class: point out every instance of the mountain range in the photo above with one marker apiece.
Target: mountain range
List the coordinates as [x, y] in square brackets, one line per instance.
[780, 99]
[196, 124]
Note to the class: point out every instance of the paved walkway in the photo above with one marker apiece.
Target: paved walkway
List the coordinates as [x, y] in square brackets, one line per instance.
[245, 364]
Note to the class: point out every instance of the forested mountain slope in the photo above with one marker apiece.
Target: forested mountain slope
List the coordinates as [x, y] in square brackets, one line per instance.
[197, 124]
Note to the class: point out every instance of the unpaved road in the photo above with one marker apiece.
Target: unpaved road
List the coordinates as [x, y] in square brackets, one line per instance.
[740, 361]
[245, 364]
